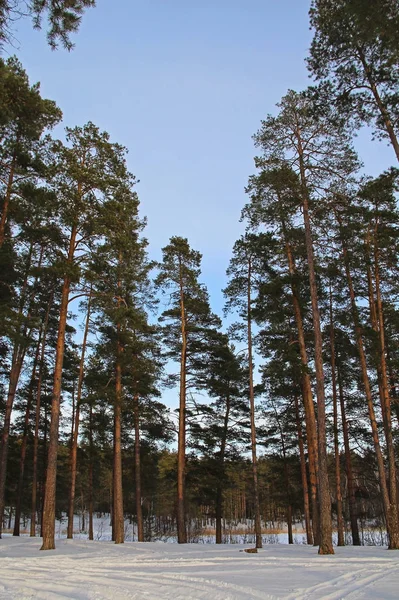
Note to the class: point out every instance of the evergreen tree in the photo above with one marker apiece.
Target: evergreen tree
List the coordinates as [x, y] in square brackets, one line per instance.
[63, 18]
[355, 48]
[188, 321]
[84, 172]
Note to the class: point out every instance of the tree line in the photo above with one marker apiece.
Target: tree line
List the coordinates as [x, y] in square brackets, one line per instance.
[311, 284]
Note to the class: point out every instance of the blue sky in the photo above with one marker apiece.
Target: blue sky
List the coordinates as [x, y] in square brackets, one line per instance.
[184, 86]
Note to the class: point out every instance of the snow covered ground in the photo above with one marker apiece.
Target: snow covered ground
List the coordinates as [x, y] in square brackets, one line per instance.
[100, 570]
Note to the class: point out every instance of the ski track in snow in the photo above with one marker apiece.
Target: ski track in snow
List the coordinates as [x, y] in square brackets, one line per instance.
[82, 570]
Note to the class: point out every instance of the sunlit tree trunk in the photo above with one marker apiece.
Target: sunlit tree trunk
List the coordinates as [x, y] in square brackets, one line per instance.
[48, 523]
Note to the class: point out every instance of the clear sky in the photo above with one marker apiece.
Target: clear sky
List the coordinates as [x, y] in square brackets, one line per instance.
[183, 84]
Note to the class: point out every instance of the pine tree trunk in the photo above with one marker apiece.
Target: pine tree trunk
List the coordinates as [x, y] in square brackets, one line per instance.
[258, 524]
[181, 446]
[348, 465]
[380, 105]
[45, 454]
[118, 517]
[12, 388]
[367, 388]
[340, 519]
[219, 489]
[91, 532]
[326, 546]
[37, 421]
[48, 524]
[6, 204]
[137, 461]
[304, 479]
[386, 411]
[310, 417]
[25, 441]
[75, 427]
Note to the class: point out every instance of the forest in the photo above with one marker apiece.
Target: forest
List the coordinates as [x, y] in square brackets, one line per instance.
[288, 401]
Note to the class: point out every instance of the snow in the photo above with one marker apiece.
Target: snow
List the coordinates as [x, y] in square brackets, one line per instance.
[101, 570]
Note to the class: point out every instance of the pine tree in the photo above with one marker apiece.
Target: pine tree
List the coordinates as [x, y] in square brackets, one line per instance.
[84, 172]
[355, 48]
[318, 149]
[244, 274]
[25, 115]
[188, 321]
[63, 18]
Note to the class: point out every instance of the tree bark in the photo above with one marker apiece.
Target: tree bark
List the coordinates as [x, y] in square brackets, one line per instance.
[118, 517]
[219, 489]
[310, 417]
[386, 411]
[326, 546]
[181, 446]
[75, 427]
[367, 390]
[340, 519]
[258, 524]
[24, 445]
[91, 532]
[304, 479]
[348, 465]
[48, 525]
[37, 421]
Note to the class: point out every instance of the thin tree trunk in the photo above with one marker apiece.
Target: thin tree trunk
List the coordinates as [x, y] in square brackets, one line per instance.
[37, 421]
[386, 404]
[17, 361]
[137, 461]
[91, 533]
[44, 476]
[12, 388]
[25, 440]
[287, 479]
[305, 488]
[219, 489]
[340, 519]
[118, 517]
[258, 525]
[181, 446]
[326, 546]
[48, 525]
[348, 465]
[75, 427]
